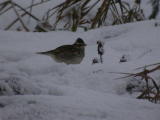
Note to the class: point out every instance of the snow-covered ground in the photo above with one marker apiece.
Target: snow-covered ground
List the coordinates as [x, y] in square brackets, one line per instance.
[34, 87]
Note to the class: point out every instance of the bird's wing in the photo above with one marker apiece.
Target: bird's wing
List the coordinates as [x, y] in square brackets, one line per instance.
[63, 49]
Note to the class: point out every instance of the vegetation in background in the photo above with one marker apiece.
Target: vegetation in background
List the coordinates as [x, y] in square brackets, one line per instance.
[77, 12]
[155, 8]
[86, 14]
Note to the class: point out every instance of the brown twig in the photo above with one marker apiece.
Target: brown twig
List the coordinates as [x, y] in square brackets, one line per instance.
[32, 2]
[148, 92]
[34, 17]
[36, 4]
[12, 23]
[6, 10]
[19, 17]
[103, 9]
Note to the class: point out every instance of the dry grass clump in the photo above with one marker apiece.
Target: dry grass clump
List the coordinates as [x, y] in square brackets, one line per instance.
[74, 14]
[150, 92]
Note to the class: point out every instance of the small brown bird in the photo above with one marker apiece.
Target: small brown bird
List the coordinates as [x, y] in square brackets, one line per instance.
[69, 54]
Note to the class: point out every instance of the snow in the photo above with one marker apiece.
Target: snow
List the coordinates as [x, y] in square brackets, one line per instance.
[79, 107]
[36, 87]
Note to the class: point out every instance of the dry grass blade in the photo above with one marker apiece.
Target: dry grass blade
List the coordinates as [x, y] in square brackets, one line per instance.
[122, 73]
[19, 17]
[34, 17]
[7, 9]
[88, 9]
[36, 4]
[4, 2]
[12, 23]
[32, 2]
[151, 94]
[116, 12]
[3, 5]
[127, 75]
[74, 15]
[147, 66]
[103, 9]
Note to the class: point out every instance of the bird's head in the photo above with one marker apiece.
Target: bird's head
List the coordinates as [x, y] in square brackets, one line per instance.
[80, 42]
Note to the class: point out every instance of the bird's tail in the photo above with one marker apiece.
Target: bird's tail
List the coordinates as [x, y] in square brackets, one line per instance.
[42, 53]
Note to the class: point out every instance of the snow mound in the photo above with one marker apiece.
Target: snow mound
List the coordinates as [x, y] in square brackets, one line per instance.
[34, 86]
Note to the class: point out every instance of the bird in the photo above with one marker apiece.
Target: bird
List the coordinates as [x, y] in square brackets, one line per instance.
[68, 54]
